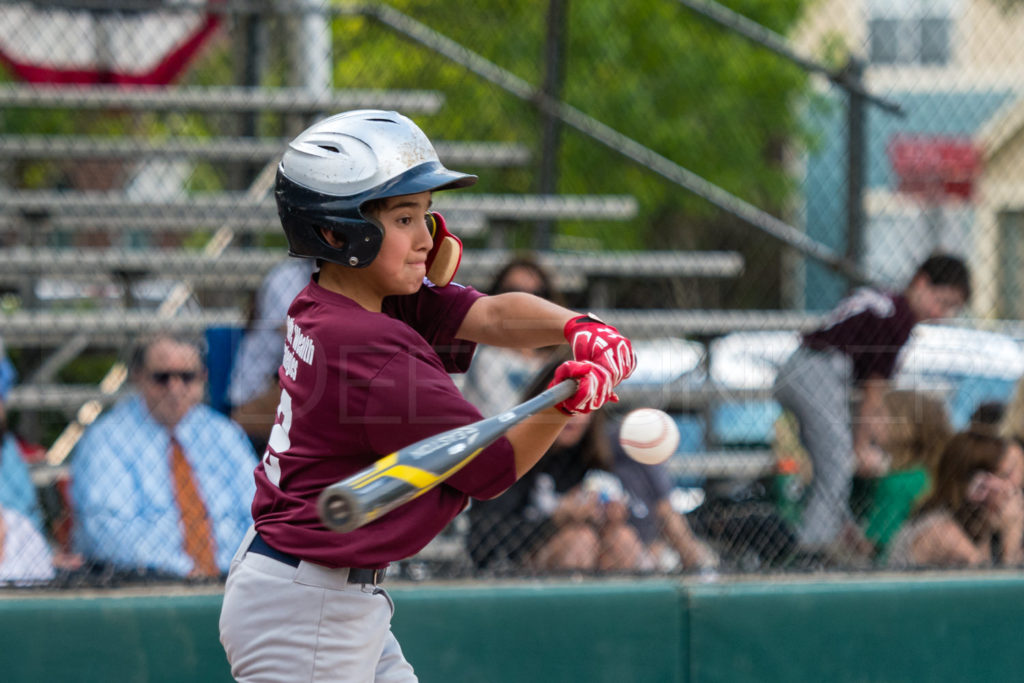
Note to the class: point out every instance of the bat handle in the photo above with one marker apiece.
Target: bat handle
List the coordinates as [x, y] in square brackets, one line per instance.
[560, 392]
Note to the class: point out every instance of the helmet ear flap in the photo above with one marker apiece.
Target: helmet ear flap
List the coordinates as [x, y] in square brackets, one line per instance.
[362, 239]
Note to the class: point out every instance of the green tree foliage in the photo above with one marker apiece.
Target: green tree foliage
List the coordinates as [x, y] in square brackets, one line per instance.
[676, 82]
[692, 91]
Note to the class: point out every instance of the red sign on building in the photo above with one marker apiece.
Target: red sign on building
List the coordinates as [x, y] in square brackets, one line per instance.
[936, 166]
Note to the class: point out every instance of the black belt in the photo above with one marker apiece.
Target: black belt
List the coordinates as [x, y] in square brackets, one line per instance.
[355, 575]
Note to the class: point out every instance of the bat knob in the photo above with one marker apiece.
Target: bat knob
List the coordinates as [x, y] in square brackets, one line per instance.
[336, 511]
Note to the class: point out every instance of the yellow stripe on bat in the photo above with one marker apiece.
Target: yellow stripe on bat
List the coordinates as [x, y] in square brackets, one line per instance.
[421, 479]
[414, 476]
[374, 471]
[418, 478]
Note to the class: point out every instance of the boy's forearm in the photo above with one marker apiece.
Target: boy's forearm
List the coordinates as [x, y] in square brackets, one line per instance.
[516, 320]
[532, 438]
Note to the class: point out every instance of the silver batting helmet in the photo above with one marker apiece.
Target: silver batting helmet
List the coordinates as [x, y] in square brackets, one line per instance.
[334, 167]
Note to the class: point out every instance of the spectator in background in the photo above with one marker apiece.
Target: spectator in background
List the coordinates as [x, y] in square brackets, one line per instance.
[995, 418]
[1010, 424]
[918, 430]
[499, 375]
[25, 555]
[8, 375]
[566, 514]
[1011, 421]
[253, 392]
[988, 416]
[975, 513]
[664, 532]
[17, 491]
[162, 483]
[991, 417]
[856, 350]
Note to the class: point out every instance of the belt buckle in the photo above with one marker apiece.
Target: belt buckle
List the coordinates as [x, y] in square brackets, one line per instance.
[367, 577]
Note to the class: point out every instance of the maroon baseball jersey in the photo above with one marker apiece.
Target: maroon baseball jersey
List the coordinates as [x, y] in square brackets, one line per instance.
[356, 386]
[870, 327]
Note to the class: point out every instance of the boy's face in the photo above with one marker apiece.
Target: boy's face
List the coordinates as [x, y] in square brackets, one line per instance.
[931, 302]
[401, 264]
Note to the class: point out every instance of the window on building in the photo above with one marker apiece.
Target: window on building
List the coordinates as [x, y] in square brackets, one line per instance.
[910, 32]
[1011, 251]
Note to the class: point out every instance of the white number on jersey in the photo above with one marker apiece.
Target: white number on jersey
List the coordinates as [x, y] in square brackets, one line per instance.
[279, 441]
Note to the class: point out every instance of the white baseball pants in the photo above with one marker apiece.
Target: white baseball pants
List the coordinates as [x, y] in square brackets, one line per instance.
[295, 624]
[815, 386]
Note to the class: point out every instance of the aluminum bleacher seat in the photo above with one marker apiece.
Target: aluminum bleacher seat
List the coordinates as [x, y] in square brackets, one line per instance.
[214, 98]
[226, 149]
[48, 209]
[245, 267]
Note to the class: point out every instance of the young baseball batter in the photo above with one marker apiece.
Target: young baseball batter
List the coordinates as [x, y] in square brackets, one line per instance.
[369, 343]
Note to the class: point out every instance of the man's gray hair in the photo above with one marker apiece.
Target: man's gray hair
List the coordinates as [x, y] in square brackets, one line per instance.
[142, 346]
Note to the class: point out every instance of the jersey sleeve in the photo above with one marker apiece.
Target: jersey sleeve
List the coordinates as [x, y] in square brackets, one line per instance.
[870, 327]
[437, 313]
[411, 399]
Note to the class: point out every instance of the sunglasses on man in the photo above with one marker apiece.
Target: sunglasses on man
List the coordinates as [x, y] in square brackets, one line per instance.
[163, 377]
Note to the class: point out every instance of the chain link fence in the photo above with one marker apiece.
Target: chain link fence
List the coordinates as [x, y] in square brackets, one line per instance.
[712, 179]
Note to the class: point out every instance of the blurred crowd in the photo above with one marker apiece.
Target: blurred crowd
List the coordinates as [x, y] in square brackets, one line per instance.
[160, 486]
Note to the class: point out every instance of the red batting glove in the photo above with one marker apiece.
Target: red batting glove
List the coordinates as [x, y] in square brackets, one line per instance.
[595, 387]
[594, 340]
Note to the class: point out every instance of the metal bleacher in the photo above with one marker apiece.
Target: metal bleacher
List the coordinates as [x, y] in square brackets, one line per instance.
[707, 324]
[44, 209]
[226, 149]
[105, 314]
[95, 319]
[220, 99]
[246, 267]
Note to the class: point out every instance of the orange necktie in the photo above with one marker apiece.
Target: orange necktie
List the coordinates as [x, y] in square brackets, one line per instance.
[197, 530]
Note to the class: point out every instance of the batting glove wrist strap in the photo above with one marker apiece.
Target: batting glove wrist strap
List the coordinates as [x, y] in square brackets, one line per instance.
[596, 341]
[594, 390]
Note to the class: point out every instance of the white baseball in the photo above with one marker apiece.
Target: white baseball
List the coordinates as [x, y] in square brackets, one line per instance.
[649, 436]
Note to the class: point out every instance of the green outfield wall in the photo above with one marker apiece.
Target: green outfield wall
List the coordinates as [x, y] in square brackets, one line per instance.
[963, 628]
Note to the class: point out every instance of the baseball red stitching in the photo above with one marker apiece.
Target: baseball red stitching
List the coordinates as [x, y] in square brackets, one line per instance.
[655, 440]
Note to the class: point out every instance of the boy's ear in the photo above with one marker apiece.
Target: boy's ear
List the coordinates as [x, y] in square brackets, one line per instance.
[332, 238]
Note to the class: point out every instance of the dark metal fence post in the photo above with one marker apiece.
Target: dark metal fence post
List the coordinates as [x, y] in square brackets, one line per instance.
[554, 77]
[855, 168]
